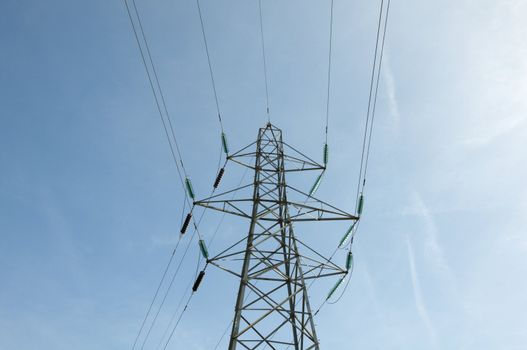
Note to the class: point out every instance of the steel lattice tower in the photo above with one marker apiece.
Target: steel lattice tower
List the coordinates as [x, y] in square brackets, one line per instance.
[272, 307]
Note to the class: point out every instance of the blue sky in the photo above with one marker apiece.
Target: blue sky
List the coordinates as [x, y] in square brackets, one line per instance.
[91, 203]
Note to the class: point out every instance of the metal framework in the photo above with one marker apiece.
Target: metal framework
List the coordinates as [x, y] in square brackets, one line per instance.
[272, 307]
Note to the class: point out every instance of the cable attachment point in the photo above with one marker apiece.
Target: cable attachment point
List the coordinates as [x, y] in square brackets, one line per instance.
[361, 204]
[224, 143]
[348, 233]
[203, 249]
[335, 287]
[326, 153]
[314, 188]
[190, 189]
[349, 261]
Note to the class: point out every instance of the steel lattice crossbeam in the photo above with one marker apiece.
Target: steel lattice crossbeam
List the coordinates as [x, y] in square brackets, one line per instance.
[272, 307]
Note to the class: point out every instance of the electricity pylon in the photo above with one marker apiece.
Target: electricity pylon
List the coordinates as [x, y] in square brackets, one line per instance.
[272, 307]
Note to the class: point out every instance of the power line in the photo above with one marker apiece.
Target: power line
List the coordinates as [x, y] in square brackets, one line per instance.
[196, 225]
[157, 101]
[364, 142]
[184, 308]
[178, 320]
[370, 131]
[161, 96]
[264, 61]
[379, 65]
[155, 294]
[174, 149]
[376, 88]
[168, 289]
[173, 153]
[180, 303]
[210, 65]
[223, 335]
[159, 87]
[329, 68]
[365, 137]
[231, 321]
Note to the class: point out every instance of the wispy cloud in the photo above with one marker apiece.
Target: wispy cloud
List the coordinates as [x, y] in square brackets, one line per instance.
[499, 127]
[390, 90]
[497, 75]
[165, 239]
[372, 293]
[418, 295]
[434, 251]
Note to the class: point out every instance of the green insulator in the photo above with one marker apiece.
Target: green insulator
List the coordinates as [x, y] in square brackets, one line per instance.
[203, 249]
[349, 260]
[315, 185]
[332, 291]
[224, 143]
[344, 239]
[361, 204]
[326, 153]
[190, 190]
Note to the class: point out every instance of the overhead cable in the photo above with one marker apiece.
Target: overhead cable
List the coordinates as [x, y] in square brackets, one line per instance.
[164, 115]
[372, 99]
[329, 68]
[210, 65]
[264, 61]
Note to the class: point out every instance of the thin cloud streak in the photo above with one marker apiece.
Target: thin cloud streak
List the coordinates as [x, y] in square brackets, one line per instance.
[418, 295]
[434, 253]
[433, 248]
[381, 314]
[390, 91]
[500, 64]
[496, 129]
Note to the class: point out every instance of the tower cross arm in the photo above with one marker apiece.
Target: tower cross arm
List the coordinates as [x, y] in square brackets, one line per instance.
[320, 212]
[306, 211]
